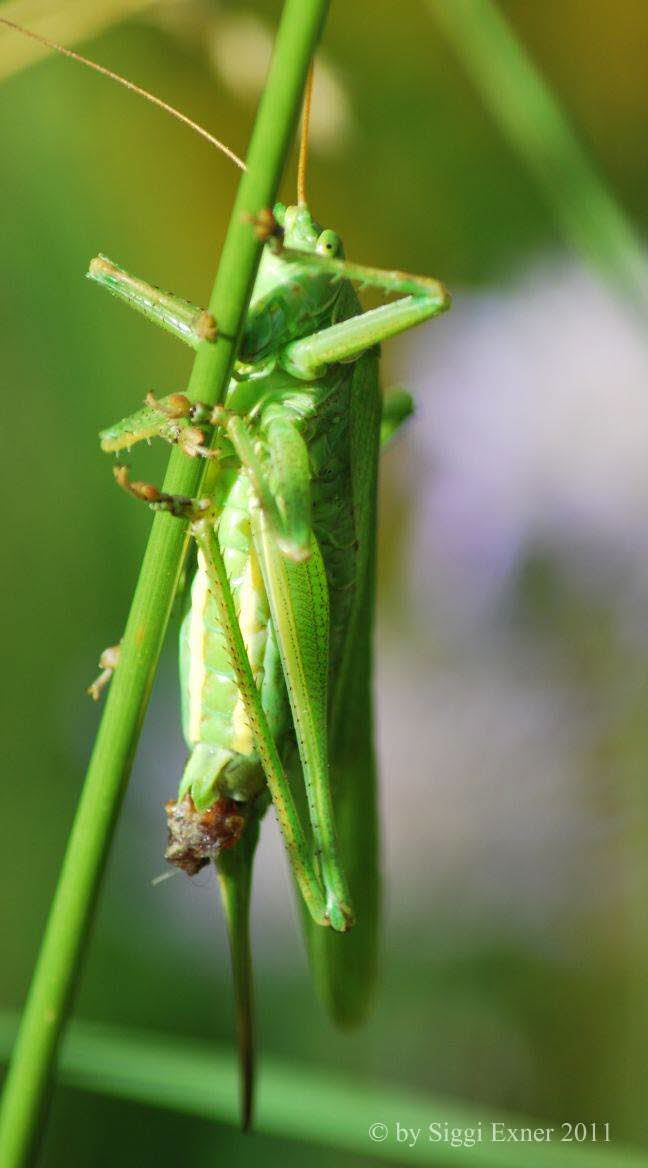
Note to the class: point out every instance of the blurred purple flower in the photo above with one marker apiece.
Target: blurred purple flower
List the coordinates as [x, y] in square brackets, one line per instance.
[532, 430]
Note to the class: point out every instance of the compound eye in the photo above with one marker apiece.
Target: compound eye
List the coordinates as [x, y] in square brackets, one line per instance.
[328, 244]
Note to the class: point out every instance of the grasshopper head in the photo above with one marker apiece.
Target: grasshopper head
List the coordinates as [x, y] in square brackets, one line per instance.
[303, 233]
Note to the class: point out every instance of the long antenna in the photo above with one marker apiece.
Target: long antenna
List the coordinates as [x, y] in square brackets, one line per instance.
[303, 144]
[169, 109]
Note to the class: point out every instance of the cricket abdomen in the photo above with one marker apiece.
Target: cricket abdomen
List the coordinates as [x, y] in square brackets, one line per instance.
[223, 761]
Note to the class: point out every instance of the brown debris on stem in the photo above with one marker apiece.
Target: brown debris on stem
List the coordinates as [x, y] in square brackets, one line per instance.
[196, 837]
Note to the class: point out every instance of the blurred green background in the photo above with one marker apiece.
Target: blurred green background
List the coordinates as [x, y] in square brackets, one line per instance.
[512, 644]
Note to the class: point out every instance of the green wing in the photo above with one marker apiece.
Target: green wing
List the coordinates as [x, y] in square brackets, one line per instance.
[344, 964]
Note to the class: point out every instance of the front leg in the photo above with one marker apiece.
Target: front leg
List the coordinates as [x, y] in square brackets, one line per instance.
[177, 316]
[421, 298]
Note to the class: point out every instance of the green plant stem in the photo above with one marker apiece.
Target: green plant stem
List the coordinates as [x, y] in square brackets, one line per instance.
[323, 1108]
[73, 903]
[530, 117]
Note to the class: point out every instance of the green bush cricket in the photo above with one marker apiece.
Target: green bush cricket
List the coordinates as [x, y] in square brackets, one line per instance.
[275, 647]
